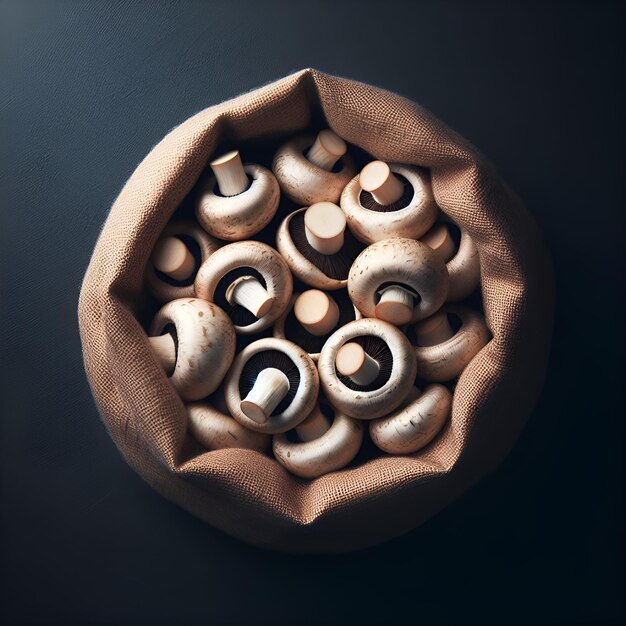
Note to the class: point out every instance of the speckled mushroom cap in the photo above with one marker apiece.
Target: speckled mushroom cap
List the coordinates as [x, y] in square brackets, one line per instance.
[415, 424]
[328, 453]
[216, 430]
[359, 402]
[165, 290]
[399, 261]
[279, 325]
[416, 211]
[304, 182]
[261, 258]
[305, 395]
[463, 268]
[205, 340]
[239, 217]
[445, 361]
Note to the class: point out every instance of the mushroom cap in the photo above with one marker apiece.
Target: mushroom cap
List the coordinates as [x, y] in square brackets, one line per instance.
[463, 268]
[305, 396]
[279, 325]
[239, 217]
[303, 268]
[205, 345]
[216, 430]
[411, 221]
[165, 291]
[399, 261]
[445, 361]
[258, 256]
[306, 183]
[413, 425]
[358, 403]
[328, 453]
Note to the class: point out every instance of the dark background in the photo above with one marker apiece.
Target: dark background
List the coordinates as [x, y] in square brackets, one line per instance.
[88, 89]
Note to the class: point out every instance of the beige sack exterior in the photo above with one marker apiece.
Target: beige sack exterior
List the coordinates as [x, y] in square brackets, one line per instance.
[249, 495]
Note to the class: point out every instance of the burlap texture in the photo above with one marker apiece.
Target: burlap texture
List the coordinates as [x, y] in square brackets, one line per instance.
[249, 495]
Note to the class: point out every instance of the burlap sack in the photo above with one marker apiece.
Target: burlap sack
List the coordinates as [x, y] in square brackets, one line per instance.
[251, 496]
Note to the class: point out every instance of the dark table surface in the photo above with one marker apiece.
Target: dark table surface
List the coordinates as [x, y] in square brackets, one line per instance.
[88, 89]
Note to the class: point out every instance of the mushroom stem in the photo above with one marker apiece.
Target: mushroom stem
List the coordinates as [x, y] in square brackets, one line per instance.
[377, 178]
[440, 240]
[164, 348]
[270, 387]
[231, 177]
[172, 257]
[249, 293]
[327, 150]
[317, 312]
[324, 227]
[434, 330]
[314, 426]
[352, 361]
[395, 305]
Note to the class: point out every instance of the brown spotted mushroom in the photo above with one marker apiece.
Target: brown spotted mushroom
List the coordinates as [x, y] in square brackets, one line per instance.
[247, 200]
[307, 171]
[250, 281]
[389, 200]
[198, 356]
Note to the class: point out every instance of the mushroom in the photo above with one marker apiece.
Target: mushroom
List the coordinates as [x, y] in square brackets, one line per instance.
[442, 354]
[322, 447]
[312, 316]
[307, 170]
[211, 424]
[272, 386]
[463, 263]
[172, 267]
[398, 280]
[415, 424]
[198, 357]
[247, 200]
[389, 200]
[316, 245]
[367, 368]
[250, 281]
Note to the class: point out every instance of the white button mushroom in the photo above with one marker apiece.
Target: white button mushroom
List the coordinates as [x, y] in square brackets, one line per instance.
[323, 447]
[312, 316]
[272, 386]
[389, 200]
[398, 280]
[250, 281]
[305, 168]
[198, 359]
[415, 424]
[463, 264]
[443, 354]
[242, 208]
[316, 245]
[172, 267]
[378, 365]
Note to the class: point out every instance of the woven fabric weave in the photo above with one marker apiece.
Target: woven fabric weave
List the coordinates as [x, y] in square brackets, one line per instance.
[251, 496]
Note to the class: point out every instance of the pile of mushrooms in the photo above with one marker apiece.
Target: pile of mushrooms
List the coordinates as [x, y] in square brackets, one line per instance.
[363, 312]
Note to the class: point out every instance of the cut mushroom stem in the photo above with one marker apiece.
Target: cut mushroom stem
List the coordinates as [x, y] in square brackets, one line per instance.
[377, 178]
[317, 312]
[352, 361]
[440, 240]
[270, 387]
[327, 150]
[433, 330]
[324, 227]
[314, 426]
[249, 293]
[395, 305]
[165, 349]
[172, 257]
[231, 177]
